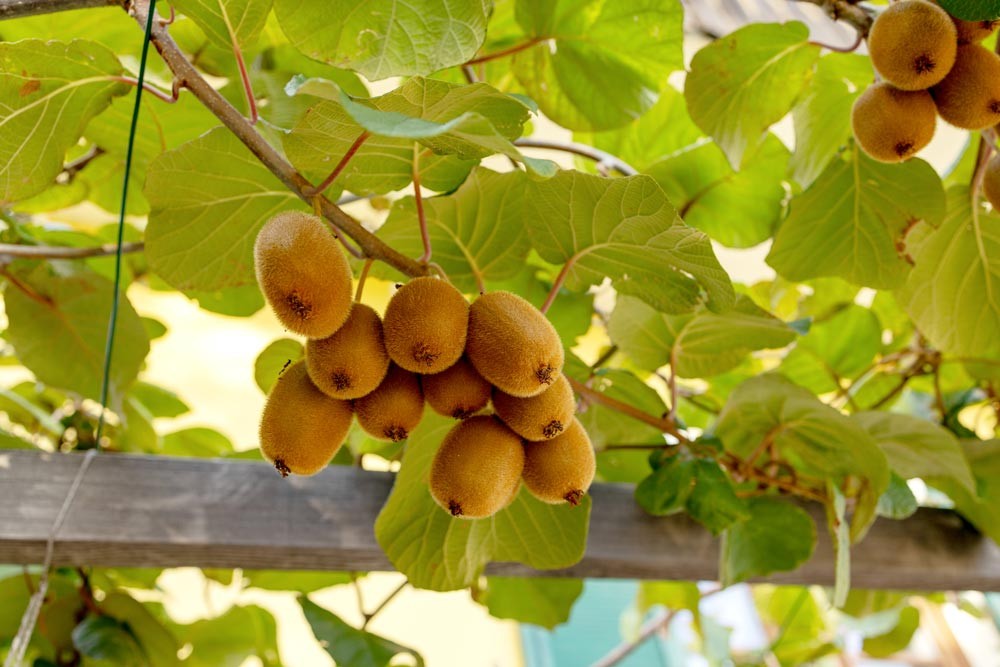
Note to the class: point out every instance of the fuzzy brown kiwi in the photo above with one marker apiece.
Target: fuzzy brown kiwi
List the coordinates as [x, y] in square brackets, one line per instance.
[513, 345]
[425, 325]
[394, 409]
[539, 417]
[970, 32]
[352, 362]
[458, 392]
[991, 182]
[301, 428]
[891, 125]
[969, 97]
[303, 274]
[477, 470]
[561, 469]
[912, 44]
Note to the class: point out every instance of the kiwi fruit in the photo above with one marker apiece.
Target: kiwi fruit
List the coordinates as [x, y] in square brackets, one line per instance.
[477, 470]
[991, 182]
[352, 362]
[891, 125]
[539, 417]
[303, 274]
[912, 44]
[513, 345]
[970, 32]
[969, 97]
[394, 409]
[458, 392]
[425, 325]
[301, 428]
[561, 469]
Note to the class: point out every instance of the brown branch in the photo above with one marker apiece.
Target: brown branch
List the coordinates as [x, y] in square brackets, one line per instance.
[657, 624]
[558, 283]
[14, 9]
[71, 169]
[64, 252]
[664, 424]
[340, 165]
[846, 11]
[191, 79]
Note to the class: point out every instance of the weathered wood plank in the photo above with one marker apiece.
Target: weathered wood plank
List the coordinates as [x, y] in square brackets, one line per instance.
[166, 512]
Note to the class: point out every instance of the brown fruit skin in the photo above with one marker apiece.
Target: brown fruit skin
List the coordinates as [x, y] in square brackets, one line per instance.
[303, 274]
[891, 125]
[425, 325]
[539, 417]
[352, 362]
[301, 428]
[969, 97]
[561, 469]
[912, 44]
[970, 32]
[477, 470]
[458, 392]
[513, 345]
[394, 409]
[991, 182]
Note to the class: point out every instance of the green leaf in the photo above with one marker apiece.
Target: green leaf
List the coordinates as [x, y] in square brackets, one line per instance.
[850, 219]
[953, 293]
[348, 645]
[702, 344]
[439, 552]
[745, 82]
[198, 442]
[103, 638]
[918, 448]
[159, 401]
[228, 640]
[606, 426]
[738, 209]
[273, 359]
[841, 346]
[159, 645]
[777, 537]
[598, 65]
[972, 10]
[301, 582]
[713, 501]
[227, 22]
[242, 301]
[383, 38]
[48, 92]
[667, 489]
[673, 595]
[840, 533]
[982, 509]
[625, 229]
[823, 115]
[898, 501]
[209, 199]
[897, 639]
[544, 602]
[478, 232]
[61, 336]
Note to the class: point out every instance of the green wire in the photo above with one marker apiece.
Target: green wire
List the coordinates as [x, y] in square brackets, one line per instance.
[116, 298]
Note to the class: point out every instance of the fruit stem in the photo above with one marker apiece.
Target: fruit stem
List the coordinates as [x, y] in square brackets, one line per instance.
[244, 77]
[389, 598]
[343, 163]
[419, 200]
[558, 283]
[503, 53]
[362, 278]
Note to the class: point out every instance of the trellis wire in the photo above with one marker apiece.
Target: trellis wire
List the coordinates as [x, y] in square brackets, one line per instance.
[30, 617]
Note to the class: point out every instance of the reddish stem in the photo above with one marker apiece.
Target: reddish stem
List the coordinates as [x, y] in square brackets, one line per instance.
[343, 163]
[558, 283]
[506, 52]
[419, 199]
[245, 77]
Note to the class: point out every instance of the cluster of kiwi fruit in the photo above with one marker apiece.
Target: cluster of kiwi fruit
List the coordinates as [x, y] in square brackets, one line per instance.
[431, 347]
[930, 64]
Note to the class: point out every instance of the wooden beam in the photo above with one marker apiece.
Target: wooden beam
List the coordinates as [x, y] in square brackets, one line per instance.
[143, 511]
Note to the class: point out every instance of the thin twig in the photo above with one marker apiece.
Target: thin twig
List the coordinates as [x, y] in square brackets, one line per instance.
[244, 78]
[71, 169]
[65, 252]
[582, 150]
[150, 88]
[846, 11]
[343, 163]
[387, 600]
[654, 625]
[418, 199]
[558, 283]
[603, 359]
[842, 49]
[503, 53]
[664, 424]
[362, 278]
[357, 594]
[13, 9]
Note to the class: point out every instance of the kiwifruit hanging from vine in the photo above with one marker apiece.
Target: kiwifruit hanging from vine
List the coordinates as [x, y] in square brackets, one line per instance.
[538, 417]
[477, 470]
[969, 97]
[301, 428]
[912, 44]
[891, 125]
[303, 274]
[561, 469]
[970, 32]
[352, 362]
[394, 409]
[991, 182]
[425, 325]
[513, 345]
[458, 392]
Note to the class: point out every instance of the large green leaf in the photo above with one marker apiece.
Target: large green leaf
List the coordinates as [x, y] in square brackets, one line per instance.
[291, 580]
[209, 199]
[972, 10]
[736, 208]
[953, 293]
[713, 501]
[823, 115]
[383, 38]
[439, 552]
[104, 639]
[544, 602]
[898, 638]
[598, 65]
[701, 344]
[273, 359]
[60, 334]
[624, 229]
[159, 645]
[477, 233]
[983, 507]
[777, 537]
[226, 22]
[48, 92]
[745, 82]
[849, 222]
[667, 489]
[349, 646]
[228, 640]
